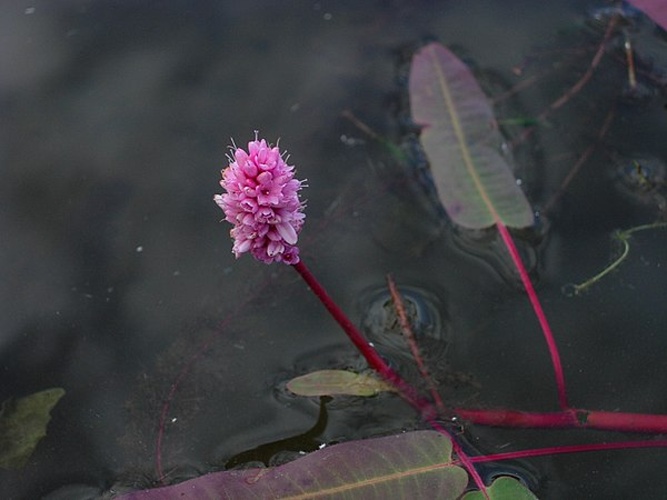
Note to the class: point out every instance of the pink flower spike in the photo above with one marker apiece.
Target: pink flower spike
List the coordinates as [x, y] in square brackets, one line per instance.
[262, 202]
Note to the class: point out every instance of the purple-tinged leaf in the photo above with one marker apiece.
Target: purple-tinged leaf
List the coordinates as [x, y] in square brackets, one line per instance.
[415, 465]
[655, 9]
[474, 181]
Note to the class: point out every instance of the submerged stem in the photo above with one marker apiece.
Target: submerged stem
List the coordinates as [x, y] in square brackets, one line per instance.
[623, 238]
[409, 335]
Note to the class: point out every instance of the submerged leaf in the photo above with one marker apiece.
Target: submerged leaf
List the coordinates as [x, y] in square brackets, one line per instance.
[333, 382]
[474, 181]
[415, 465]
[503, 488]
[23, 423]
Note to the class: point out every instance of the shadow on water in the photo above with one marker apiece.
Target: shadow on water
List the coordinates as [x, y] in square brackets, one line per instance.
[119, 286]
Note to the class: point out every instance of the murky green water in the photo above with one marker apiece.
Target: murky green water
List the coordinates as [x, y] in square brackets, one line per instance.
[119, 285]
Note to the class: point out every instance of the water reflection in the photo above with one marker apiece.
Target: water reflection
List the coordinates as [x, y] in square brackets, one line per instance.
[114, 126]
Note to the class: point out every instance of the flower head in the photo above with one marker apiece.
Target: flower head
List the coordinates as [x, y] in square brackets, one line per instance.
[262, 202]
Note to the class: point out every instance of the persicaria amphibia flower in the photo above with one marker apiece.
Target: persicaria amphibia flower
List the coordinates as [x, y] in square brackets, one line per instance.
[262, 202]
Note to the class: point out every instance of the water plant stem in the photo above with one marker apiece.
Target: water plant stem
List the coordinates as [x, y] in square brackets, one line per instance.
[362, 345]
[423, 406]
[624, 238]
[575, 448]
[572, 418]
[576, 88]
[581, 161]
[567, 418]
[409, 335]
[539, 312]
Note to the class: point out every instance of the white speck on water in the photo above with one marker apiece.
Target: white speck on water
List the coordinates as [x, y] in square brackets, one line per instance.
[351, 141]
[176, 273]
[139, 249]
[30, 10]
[327, 16]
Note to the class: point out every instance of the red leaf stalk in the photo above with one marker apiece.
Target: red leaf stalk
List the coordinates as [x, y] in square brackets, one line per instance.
[425, 408]
[539, 312]
[567, 419]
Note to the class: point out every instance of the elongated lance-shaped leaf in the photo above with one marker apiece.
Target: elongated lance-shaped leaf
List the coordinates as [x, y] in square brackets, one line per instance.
[338, 382]
[474, 181]
[415, 465]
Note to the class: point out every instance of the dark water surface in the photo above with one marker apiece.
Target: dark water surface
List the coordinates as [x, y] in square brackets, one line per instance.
[117, 279]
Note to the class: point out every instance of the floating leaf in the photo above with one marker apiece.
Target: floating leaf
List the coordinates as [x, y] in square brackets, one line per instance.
[503, 488]
[474, 181]
[23, 423]
[415, 465]
[332, 382]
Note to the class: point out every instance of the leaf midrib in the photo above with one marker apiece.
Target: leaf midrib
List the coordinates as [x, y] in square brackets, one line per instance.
[460, 136]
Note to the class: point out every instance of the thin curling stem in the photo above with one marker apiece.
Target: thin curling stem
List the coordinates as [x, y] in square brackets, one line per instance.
[624, 238]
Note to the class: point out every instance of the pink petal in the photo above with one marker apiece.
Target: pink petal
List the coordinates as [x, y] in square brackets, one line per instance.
[241, 156]
[274, 248]
[249, 168]
[241, 246]
[288, 233]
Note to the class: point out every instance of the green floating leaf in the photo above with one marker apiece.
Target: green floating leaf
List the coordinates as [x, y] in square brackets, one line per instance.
[503, 488]
[474, 181]
[337, 382]
[23, 424]
[415, 465]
